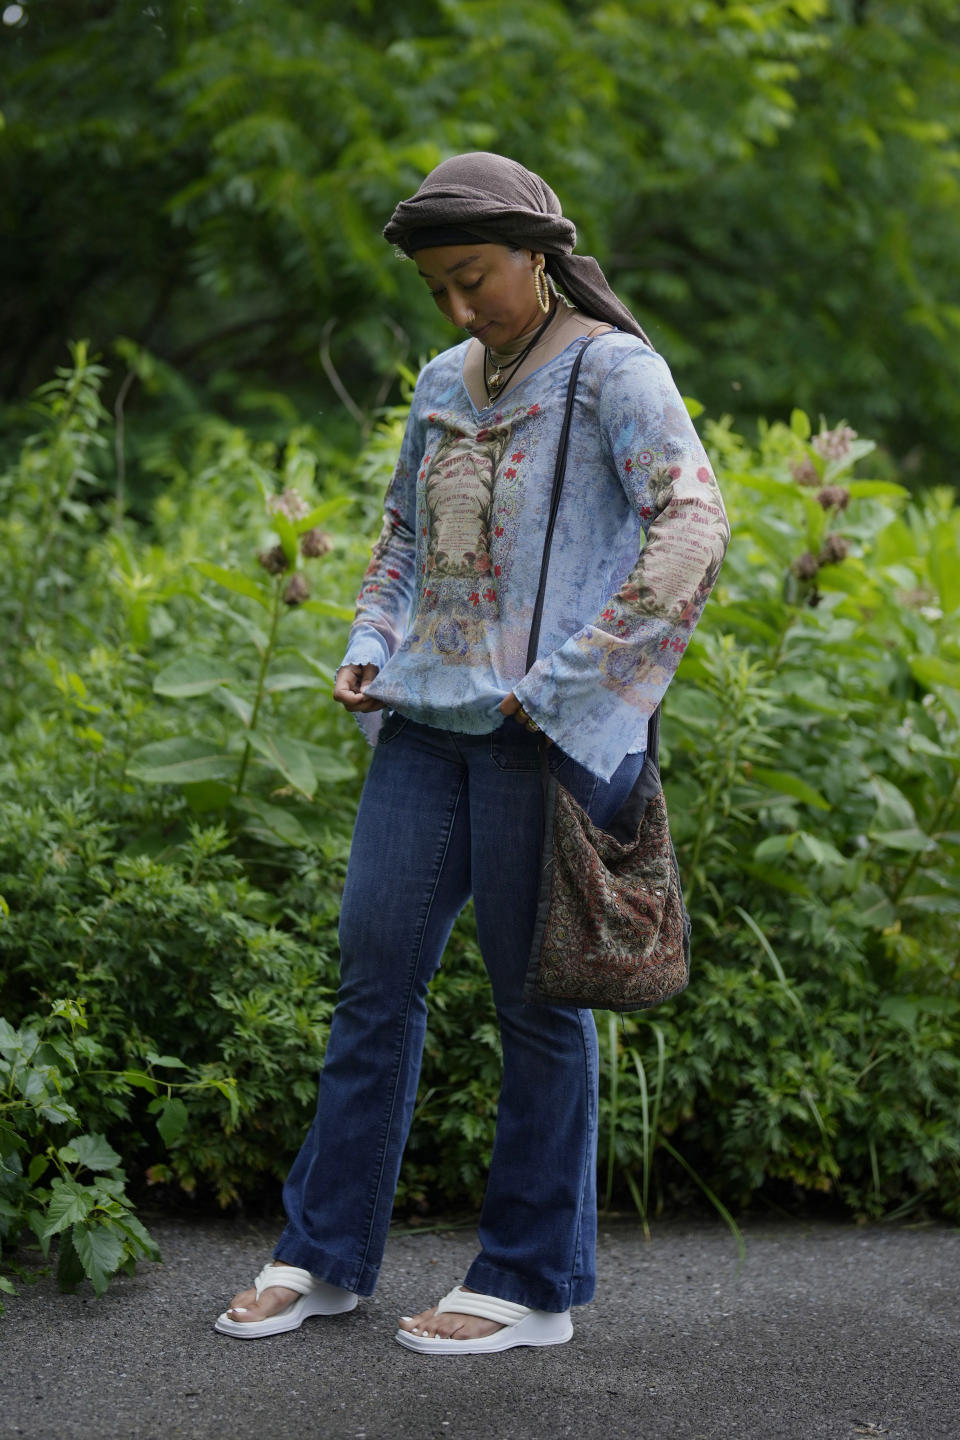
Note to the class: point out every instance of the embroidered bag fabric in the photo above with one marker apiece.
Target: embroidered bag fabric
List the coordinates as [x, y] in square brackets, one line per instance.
[612, 931]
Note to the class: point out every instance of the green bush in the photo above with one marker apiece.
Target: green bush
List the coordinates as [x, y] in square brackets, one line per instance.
[812, 754]
[50, 1077]
[814, 782]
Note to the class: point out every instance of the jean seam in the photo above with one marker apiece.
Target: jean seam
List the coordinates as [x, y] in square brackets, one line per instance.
[584, 1174]
[405, 1023]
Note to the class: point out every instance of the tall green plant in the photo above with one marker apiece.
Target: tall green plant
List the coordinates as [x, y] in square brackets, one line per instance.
[218, 771]
[44, 509]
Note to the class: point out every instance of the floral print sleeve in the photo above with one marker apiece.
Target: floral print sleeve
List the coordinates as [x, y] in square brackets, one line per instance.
[386, 595]
[593, 693]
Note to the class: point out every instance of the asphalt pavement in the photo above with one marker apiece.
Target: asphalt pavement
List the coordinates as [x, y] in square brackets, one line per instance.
[827, 1330]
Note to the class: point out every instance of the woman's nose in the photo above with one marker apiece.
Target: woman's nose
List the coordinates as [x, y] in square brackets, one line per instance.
[461, 313]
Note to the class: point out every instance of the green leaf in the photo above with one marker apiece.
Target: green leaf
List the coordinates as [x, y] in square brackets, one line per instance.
[194, 675]
[800, 424]
[905, 1009]
[910, 839]
[288, 536]
[821, 852]
[789, 784]
[236, 704]
[281, 823]
[180, 761]
[875, 490]
[141, 1240]
[140, 1080]
[328, 607]
[293, 680]
[59, 1112]
[70, 1270]
[329, 767]
[743, 616]
[317, 666]
[207, 795]
[172, 1121]
[94, 1152]
[233, 580]
[933, 904]
[254, 632]
[70, 1203]
[779, 490]
[933, 671]
[323, 512]
[694, 407]
[944, 568]
[289, 757]
[10, 1139]
[170, 1062]
[37, 1168]
[100, 1250]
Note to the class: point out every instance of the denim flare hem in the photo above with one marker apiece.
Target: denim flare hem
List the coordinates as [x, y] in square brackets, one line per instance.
[326, 1267]
[522, 1290]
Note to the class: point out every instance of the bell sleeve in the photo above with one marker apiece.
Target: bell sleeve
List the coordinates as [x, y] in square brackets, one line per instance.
[594, 693]
[385, 601]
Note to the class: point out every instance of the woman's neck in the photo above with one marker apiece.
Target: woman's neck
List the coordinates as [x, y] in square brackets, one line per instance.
[513, 347]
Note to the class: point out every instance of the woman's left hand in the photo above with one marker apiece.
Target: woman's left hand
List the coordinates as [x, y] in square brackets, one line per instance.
[510, 705]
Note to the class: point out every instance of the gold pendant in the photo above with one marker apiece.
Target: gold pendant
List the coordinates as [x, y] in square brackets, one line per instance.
[496, 380]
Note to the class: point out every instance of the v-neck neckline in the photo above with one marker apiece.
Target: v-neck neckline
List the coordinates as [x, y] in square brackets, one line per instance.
[493, 404]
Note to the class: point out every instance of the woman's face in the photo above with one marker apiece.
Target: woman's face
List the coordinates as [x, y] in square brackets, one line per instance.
[486, 289]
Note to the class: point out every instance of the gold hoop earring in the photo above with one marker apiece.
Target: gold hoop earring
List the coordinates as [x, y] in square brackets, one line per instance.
[542, 287]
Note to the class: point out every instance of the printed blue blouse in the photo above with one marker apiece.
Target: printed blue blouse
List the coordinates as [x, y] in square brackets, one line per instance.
[446, 604]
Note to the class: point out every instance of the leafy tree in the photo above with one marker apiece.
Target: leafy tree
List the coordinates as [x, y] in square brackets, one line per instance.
[773, 186]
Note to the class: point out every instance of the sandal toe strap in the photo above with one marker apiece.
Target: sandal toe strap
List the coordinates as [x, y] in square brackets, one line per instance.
[488, 1307]
[289, 1275]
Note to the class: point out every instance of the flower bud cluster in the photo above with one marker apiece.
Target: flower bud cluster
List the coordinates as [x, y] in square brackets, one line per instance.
[291, 504]
[834, 444]
[274, 560]
[314, 544]
[834, 496]
[297, 590]
[834, 549]
[805, 472]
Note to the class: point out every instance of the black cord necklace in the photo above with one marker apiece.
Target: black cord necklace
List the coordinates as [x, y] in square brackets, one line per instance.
[504, 373]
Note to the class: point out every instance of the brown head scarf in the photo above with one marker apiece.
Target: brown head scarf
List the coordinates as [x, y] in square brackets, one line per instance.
[488, 198]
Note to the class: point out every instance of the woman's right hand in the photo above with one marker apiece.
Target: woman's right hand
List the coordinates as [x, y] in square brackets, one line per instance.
[349, 685]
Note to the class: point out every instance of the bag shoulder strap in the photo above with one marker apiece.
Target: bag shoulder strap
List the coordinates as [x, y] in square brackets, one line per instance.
[558, 473]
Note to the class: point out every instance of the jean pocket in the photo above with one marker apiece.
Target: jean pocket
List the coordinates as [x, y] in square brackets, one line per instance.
[514, 747]
[391, 727]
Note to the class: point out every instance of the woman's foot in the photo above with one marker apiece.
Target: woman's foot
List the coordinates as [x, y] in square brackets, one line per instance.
[279, 1307]
[468, 1323]
[449, 1325]
[245, 1308]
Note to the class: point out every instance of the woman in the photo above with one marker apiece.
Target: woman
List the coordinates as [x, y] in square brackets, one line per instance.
[452, 802]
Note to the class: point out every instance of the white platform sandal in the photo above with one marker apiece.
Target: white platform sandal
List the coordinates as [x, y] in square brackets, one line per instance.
[314, 1297]
[520, 1326]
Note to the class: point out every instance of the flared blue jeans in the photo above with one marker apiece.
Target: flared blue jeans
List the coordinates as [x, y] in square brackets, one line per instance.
[442, 816]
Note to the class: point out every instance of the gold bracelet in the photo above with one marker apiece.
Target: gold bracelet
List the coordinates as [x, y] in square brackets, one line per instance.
[524, 719]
